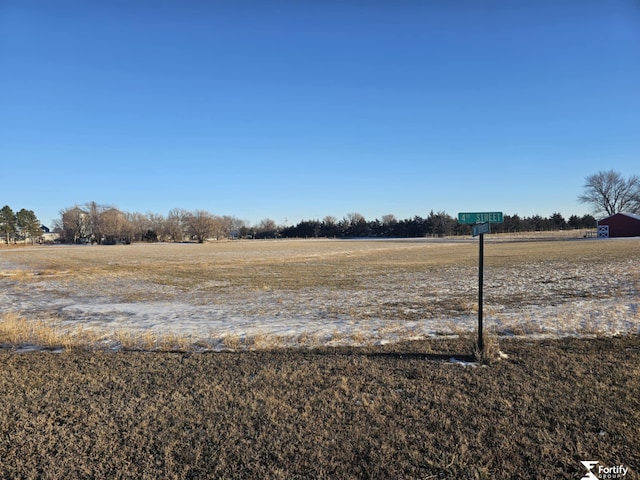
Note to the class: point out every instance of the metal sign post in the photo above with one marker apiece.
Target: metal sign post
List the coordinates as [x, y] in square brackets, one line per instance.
[479, 229]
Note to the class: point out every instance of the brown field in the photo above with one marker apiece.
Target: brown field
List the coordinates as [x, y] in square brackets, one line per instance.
[376, 288]
[400, 410]
[295, 264]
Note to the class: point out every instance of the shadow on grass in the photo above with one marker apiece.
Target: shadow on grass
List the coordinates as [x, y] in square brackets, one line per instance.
[432, 357]
[408, 351]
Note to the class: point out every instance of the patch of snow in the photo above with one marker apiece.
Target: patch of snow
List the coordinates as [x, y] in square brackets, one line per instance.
[462, 362]
[540, 302]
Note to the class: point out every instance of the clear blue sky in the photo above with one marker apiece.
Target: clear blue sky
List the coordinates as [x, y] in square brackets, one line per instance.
[300, 109]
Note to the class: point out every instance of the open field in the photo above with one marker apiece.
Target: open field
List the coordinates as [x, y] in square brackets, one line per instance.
[380, 412]
[373, 393]
[261, 294]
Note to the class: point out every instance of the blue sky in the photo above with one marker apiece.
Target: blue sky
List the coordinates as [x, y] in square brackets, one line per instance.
[296, 110]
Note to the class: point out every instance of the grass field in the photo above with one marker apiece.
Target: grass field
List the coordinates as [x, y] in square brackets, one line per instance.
[255, 294]
[401, 411]
[359, 400]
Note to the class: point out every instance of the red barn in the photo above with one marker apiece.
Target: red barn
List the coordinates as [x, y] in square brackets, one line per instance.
[619, 225]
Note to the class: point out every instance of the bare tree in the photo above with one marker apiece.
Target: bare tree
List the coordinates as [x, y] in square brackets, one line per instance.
[389, 219]
[226, 226]
[76, 226]
[176, 225]
[232, 226]
[157, 226]
[114, 226]
[140, 224]
[609, 193]
[355, 218]
[267, 228]
[95, 211]
[330, 220]
[202, 225]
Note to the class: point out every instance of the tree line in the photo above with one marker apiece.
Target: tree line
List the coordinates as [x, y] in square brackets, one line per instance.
[21, 226]
[105, 224]
[607, 192]
[438, 224]
[93, 223]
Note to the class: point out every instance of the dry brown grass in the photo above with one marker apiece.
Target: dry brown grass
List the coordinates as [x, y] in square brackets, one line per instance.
[295, 264]
[17, 331]
[359, 280]
[387, 412]
[398, 411]
[490, 351]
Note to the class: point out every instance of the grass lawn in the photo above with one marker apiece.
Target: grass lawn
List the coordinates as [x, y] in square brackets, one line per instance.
[401, 411]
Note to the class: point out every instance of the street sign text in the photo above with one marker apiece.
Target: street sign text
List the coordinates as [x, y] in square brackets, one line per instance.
[480, 217]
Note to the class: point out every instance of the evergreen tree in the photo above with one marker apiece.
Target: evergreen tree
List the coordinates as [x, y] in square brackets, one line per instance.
[7, 223]
[558, 222]
[28, 224]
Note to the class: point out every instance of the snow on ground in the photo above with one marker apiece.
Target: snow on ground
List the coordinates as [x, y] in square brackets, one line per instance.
[539, 301]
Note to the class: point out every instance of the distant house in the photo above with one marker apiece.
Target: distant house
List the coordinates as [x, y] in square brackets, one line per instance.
[48, 236]
[619, 225]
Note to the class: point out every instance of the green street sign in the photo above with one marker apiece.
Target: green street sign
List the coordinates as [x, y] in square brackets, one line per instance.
[471, 218]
